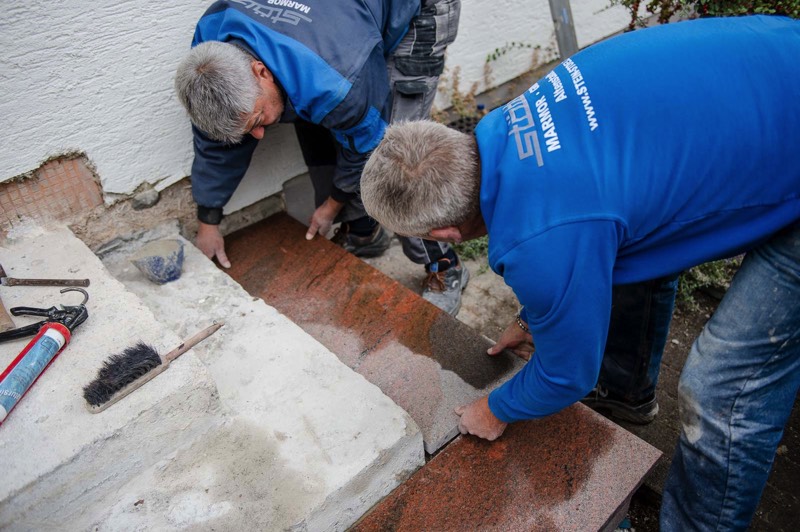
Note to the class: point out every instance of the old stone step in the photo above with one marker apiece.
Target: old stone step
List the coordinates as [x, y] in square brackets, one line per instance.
[57, 459]
[259, 427]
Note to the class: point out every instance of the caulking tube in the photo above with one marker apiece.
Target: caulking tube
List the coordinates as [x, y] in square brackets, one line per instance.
[17, 378]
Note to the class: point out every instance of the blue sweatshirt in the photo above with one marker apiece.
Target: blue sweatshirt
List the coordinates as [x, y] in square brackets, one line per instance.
[329, 57]
[639, 157]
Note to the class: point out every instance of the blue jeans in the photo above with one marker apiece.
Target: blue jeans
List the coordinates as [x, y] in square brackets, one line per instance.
[736, 392]
[640, 318]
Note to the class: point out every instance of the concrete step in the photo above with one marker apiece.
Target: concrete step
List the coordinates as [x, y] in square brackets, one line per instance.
[425, 360]
[258, 427]
[58, 459]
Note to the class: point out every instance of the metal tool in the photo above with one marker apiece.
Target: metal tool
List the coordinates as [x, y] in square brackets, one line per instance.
[53, 335]
[69, 316]
[12, 281]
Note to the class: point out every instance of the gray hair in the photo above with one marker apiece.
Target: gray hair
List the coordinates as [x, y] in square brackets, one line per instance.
[216, 85]
[422, 176]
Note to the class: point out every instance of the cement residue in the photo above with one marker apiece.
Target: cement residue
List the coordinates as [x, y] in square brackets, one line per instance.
[232, 479]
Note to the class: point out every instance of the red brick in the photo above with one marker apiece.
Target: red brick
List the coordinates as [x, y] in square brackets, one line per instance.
[58, 189]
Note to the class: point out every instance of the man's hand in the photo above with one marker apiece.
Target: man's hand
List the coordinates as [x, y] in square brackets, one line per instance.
[211, 243]
[323, 217]
[478, 420]
[515, 340]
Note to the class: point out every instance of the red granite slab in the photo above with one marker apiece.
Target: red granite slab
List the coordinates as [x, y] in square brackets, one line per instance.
[425, 360]
[573, 471]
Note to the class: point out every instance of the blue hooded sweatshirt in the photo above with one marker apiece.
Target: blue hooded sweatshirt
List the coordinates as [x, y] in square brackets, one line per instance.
[637, 158]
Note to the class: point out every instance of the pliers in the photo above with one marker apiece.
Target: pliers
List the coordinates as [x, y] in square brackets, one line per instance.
[69, 316]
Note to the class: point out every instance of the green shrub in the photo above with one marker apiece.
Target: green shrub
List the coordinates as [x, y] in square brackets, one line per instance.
[664, 10]
[713, 278]
[473, 249]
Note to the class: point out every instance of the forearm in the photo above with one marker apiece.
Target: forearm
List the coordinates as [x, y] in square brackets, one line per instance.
[347, 174]
[217, 171]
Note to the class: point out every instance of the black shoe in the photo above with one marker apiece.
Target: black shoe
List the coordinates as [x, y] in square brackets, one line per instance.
[371, 245]
[641, 412]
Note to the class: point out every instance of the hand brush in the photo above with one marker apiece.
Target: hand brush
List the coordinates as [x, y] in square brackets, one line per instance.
[125, 372]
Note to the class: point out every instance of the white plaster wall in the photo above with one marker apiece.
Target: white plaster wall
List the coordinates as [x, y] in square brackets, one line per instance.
[96, 77]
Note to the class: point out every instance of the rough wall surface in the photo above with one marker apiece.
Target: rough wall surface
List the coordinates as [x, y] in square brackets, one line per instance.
[97, 78]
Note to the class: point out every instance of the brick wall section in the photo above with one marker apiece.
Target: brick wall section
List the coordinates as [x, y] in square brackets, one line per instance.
[58, 189]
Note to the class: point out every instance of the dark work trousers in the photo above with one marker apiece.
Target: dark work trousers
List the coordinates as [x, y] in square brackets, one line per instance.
[413, 69]
[640, 317]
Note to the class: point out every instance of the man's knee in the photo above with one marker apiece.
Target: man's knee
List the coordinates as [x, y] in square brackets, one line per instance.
[690, 412]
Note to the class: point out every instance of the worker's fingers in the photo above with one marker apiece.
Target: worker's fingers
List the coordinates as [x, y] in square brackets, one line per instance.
[460, 409]
[223, 258]
[499, 347]
[324, 227]
[312, 230]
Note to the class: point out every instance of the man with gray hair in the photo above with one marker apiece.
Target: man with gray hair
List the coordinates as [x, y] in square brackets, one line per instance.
[637, 158]
[340, 70]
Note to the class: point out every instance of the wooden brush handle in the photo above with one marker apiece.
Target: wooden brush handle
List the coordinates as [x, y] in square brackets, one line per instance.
[191, 342]
[165, 361]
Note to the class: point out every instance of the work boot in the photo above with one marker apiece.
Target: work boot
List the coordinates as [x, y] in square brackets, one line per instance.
[609, 404]
[443, 288]
[371, 245]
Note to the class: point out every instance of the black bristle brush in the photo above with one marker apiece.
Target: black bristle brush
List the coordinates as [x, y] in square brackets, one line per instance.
[125, 372]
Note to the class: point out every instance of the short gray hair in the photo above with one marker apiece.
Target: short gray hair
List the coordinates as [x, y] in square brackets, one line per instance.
[216, 85]
[422, 176]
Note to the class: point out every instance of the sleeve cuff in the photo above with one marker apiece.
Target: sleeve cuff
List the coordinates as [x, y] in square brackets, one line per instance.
[341, 196]
[209, 215]
[496, 409]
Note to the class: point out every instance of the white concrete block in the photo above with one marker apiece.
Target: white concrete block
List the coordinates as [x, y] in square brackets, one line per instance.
[312, 445]
[58, 459]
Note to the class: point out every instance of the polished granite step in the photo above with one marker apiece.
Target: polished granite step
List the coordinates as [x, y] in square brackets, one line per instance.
[574, 470]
